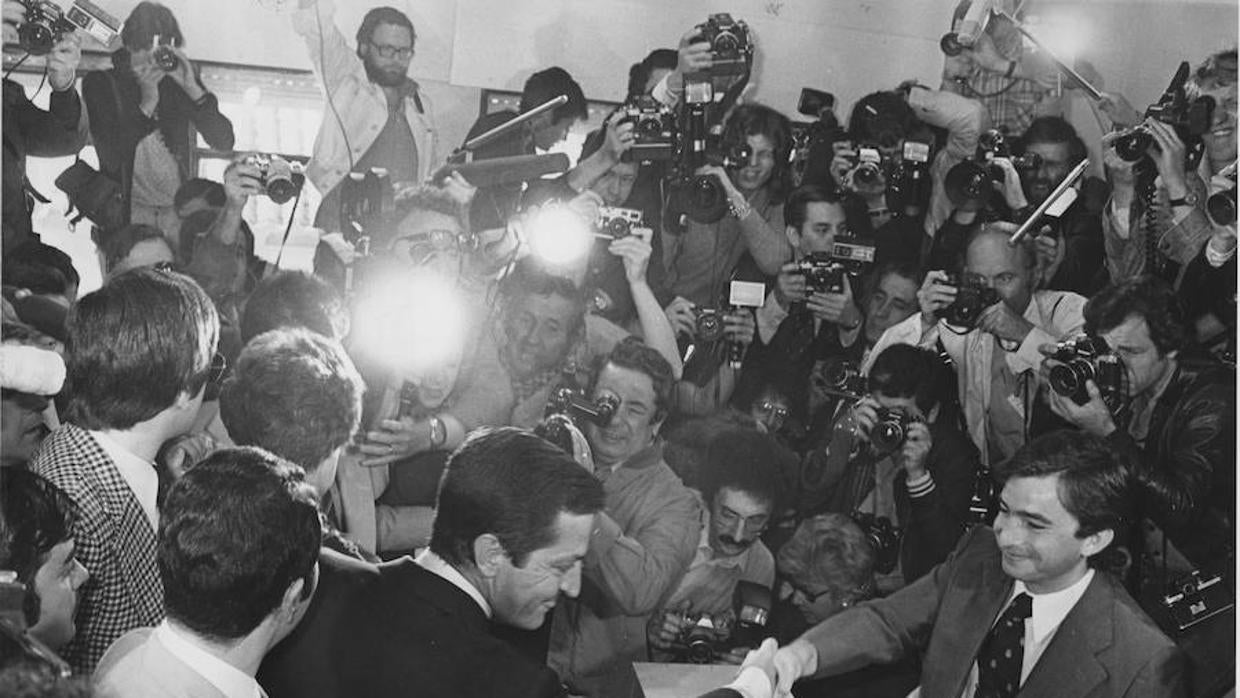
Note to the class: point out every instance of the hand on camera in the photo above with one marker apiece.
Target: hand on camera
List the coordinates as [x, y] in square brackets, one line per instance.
[183, 74]
[14, 15]
[1050, 254]
[836, 308]
[680, 314]
[242, 179]
[620, 138]
[63, 61]
[1003, 322]
[914, 453]
[664, 632]
[1010, 187]
[739, 326]
[864, 416]
[1168, 153]
[149, 76]
[934, 295]
[789, 286]
[634, 250]
[693, 56]
[183, 452]
[724, 180]
[393, 440]
[1094, 417]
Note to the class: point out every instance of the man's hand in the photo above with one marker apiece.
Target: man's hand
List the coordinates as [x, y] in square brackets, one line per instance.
[663, 633]
[634, 250]
[184, 75]
[242, 179]
[14, 14]
[1010, 187]
[620, 138]
[1169, 157]
[456, 186]
[1094, 417]
[394, 440]
[836, 308]
[915, 452]
[1050, 254]
[724, 180]
[739, 326]
[761, 658]
[693, 56]
[183, 452]
[63, 61]
[789, 286]
[864, 416]
[680, 314]
[149, 76]
[793, 662]
[1004, 323]
[934, 295]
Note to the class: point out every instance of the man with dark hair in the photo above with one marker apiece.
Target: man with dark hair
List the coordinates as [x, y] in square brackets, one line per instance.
[643, 541]
[237, 557]
[1178, 425]
[996, 356]
[294, 299]
[1016, 608]
[899, 454]
[134, 246]
[297, 395]
[140, 354]
[514, 520]
[647, 73]
[36, 545]
[741, 492]
[376, 116]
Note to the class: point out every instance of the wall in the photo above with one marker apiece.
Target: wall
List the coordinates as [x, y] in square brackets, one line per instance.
[849, 47]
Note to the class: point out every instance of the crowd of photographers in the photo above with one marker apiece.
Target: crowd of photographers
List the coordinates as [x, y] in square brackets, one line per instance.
[792, 354]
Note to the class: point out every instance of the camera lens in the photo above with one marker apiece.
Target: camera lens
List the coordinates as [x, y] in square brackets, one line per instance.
[166, 59]
[866, 173]
[281, 189]
[707, 201]
[726, 43]
[36, 38]
[708, 327]
[1068, 379]
[1222, 207]
[1133, 145]
[888, 434]
[618, 227]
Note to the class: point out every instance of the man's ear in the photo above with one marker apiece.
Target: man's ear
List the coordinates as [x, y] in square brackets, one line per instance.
[489, 554]
[793, 235]
[292, 600]
[1097, 542]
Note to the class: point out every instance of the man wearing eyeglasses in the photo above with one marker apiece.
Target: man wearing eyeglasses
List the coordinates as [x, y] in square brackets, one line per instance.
[140, 354]
[376, 116]
[740, 487]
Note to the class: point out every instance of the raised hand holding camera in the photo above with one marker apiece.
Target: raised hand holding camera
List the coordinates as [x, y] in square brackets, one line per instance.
[935, 294]
[836, 308]
[790, 286]
[634, 250]
[63, 61]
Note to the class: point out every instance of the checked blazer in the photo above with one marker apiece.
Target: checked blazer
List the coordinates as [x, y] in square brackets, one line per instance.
[114, 541]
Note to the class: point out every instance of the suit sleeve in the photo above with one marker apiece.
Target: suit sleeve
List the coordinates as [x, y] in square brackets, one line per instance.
[115, 126]
[1162, 677]
[937, 518]
[51, 133]
[638, 568]
[216, 129]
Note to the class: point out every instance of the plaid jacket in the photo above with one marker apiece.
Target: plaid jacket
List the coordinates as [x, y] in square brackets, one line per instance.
[114, 542]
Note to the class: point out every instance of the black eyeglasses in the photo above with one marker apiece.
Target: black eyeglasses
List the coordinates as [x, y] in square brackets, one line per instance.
[392, 51]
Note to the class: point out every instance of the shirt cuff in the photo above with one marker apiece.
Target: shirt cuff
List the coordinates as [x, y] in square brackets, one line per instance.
[752, 682]
[921, 486]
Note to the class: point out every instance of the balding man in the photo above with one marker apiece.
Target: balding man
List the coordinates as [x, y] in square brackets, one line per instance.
[996, 356]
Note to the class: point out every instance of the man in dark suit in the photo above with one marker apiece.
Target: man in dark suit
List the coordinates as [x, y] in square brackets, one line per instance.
[1016, 608]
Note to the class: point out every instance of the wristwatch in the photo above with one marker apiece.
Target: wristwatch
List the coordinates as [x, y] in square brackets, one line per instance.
[439, 432]
[1189, 199]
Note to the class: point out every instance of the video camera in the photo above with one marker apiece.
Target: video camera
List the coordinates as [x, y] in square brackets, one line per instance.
[1086, 358]
[45, 25]
[884, 537]
[971, 299]
[824, 271]
[1189, 117]
[744, 625]
[280, 178]
[654, 129]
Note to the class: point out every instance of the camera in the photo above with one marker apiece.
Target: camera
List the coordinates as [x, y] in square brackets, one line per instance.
[744, 625]
[992, 144]
[1197, 597]
[94, 21]
[1086, 358]
[281, 178]
[866, 165]
[812, 141]
[883, 537]
[730, 48]
[842, 377]
[908, 179]
[654, 129]
[824, 271]
[569, 401]
[708, 325]
[1190, 119]
[45, 24]
[971, 299]
[890, 430]
[163, 55]
[618, 222]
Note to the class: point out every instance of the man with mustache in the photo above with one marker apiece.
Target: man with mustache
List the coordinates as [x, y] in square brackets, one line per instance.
[377, 117]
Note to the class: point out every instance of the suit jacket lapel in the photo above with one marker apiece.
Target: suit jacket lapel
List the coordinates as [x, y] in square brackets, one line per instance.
[978, 611]
[1069, 666]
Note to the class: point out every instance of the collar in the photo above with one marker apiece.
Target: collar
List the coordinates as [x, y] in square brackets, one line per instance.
[436, 565]
[1161, 386]
[1049, 610]
[230, 680]
[648, 456]
[139, 474]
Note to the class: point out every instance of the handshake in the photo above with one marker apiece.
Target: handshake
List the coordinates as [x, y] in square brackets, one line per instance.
[779, 668]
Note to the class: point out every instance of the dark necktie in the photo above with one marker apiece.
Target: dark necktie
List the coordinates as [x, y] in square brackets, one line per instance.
[1002, 653]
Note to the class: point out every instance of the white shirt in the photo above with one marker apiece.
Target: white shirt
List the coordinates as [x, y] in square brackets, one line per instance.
[1048, 613]
[139, 474]
[437, 565]
[230, 680]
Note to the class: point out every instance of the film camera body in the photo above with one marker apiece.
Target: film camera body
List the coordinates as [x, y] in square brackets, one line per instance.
[567, 408]
[883, 537]
[618, 222]
[971, 299]
[654, 129]
[45, 24]
[744, 625]
[973, 180]
[1222, 204]
[280, 178]
[162, 53]
[730, 48]
[1189, 117]
[824, 271]
[890, 429]
[1086, 358]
